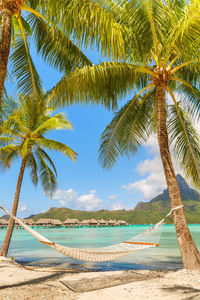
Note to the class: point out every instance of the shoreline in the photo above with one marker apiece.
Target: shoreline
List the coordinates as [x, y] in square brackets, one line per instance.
[24, 282]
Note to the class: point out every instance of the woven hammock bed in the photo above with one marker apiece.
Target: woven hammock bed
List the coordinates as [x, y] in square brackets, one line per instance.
[147, 239]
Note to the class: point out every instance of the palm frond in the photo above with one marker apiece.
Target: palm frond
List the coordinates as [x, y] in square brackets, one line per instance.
[186, 31]
[6, 140]
[47, 177]
[186, 142]
[9, 106]
[101, 84]
[90, 24]
[55, 47]
[190, 97]
[46, 156]
[28, 80]
[145, 22]
[8, 156]
[32, 164]
[16, 30]
[87, 22]
[127, 131]
[56, 122]
[57, 146]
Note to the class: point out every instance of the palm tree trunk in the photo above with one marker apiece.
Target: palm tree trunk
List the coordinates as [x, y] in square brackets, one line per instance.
[189, 252]
[6, 242]
[5, 42]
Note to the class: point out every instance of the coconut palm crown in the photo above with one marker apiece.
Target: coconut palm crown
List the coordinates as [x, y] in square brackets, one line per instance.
[162, 60]
[23, 135]
[26, 123]
[58, 29]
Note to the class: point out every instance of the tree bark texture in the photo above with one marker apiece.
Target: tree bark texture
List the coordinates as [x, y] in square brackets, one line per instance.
[4, 47]
[9, 231]
[189, 252]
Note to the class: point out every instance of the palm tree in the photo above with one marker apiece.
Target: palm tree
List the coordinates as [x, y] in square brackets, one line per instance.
[161, 59]
[53, 25]
[23, 136]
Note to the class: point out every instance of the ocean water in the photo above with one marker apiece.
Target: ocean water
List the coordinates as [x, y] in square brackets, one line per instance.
[28, 251]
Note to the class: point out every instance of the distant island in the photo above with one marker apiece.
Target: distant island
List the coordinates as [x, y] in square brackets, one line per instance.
[143, 213]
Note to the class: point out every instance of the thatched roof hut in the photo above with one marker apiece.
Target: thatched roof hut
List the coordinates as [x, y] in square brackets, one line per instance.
[102, 222]
[43, 222]
[71, 222]
[122, 222]
[93, 222]
[84, 222]
[56, 222]
[29, 221]
[3, 222]
[111, 223]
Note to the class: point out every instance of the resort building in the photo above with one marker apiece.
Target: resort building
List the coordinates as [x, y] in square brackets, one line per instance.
[84, 223]
[71, 222]
[43, 222]
[3, 223]
[122, 222]
[93, 222]
[111, 223]
[29, 222]
[102, 222]
[56, 223]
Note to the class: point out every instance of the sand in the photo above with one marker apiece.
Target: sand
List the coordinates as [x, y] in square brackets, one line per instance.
[18, 282]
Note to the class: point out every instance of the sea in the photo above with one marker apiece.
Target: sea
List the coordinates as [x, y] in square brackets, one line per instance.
[27, 250]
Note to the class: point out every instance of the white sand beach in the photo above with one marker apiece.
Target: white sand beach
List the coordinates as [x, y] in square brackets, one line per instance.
[19, 282]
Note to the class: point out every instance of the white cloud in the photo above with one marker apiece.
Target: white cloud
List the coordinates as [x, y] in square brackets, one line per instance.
[23, 208]
[152, 144]
[154, 182]
[113, 197]
[117, 206]
[150, 166]
[70, 198]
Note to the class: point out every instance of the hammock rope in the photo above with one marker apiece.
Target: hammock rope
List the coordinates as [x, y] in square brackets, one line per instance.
[112, 252]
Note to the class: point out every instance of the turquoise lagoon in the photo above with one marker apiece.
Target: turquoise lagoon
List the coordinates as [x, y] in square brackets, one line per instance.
[28, 251]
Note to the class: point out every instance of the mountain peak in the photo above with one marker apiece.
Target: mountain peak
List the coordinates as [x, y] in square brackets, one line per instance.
[184, 187]
[186, 191]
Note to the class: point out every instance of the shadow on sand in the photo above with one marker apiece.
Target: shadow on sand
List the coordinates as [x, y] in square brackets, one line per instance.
[184, 290]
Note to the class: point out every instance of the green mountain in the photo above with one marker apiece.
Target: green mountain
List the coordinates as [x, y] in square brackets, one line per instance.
[159, 206]
[144, 213]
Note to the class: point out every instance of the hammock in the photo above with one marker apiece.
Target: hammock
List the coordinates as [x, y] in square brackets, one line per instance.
[150, 236]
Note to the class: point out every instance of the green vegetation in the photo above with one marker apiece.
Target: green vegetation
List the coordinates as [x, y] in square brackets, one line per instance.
[53, 26]
[144, 212]
[23, 135]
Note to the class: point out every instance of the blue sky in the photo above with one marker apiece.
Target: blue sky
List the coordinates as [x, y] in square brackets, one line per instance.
[84, 184]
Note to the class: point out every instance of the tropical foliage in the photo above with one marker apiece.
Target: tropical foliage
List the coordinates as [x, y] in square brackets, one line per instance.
[26, 123]
[162, 45]
[58, 30]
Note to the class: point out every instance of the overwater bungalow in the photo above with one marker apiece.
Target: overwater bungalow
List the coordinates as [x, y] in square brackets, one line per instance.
[102, 222]
[122, 223]
[43, 222]
[56, 223]
[111, 223]
[71, 222]
[116, 223]
[3, 223]
[93, 222]
[84, 223]
[29, 222]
